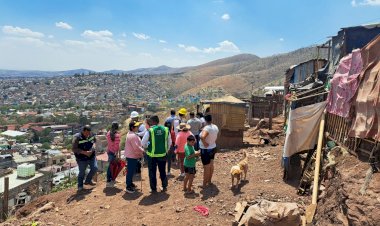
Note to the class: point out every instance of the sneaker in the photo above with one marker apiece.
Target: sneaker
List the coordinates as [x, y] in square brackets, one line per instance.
[110, 184]
[90, 183]
[80, 189]
[130, 190]
[182, 175]
[133, 185]
[168, 174]
[152, 191]
[165, 189]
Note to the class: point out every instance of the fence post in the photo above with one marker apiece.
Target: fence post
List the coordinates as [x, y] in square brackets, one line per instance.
[270, 113]
[5, 198]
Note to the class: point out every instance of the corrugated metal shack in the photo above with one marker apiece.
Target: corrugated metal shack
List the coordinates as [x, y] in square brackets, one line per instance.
[352, 102]
[229, 114]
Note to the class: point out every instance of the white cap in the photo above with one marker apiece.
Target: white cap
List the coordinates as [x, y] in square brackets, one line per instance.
[134, 114]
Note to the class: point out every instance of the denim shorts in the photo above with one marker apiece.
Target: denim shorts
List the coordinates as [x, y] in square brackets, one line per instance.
[207, 155]
[190, 170]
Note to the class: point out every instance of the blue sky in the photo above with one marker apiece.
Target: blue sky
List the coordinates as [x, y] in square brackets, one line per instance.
[116, 34]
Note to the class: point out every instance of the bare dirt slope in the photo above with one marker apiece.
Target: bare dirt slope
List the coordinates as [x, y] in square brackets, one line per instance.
[342, 204]
[103, 206]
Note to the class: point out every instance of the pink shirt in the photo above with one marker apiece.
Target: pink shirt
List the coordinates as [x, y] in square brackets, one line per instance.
[133, 147]
[113, 146]
[181, 141]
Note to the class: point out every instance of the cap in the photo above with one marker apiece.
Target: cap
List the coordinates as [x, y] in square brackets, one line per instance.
[182, 111]
[134, 124]
[134, 114]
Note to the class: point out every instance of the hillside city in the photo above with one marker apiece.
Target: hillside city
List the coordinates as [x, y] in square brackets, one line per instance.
[259, 119]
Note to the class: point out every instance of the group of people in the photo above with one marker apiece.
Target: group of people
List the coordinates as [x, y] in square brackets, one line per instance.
[179, 140]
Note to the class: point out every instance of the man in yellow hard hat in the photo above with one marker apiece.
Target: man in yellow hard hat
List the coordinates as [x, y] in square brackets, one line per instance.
[181, 119]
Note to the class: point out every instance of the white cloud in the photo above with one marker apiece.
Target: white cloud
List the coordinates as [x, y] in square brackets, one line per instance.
[104, 35]
[163, 41]
[63, 25]
[23, 32]
[148, 55]
[282, 39]
[124, 34]
[168, 50]
[141, 36]
[51, 36]
[190, 49]
[226, 16]
[225, 46]
[354, 3]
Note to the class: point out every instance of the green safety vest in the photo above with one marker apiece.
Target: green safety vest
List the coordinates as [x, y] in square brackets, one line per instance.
[158, 141]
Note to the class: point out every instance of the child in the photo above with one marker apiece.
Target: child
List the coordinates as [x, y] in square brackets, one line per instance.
[180, 142]
[189, 163]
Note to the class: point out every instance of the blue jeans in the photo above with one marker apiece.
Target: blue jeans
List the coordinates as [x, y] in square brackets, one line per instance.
[153, 163]
[82, 165]
[131, 170]
[111, 157]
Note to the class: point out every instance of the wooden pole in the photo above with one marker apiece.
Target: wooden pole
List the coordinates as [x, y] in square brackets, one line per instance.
[5, 198]
[270, 113]
[310, 210]
[318, 160]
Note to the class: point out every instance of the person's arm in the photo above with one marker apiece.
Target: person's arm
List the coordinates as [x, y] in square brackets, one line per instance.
[169, 140]
[145, 139]
[190, 156]
[203, 137]
[136, 144]
[142, 130]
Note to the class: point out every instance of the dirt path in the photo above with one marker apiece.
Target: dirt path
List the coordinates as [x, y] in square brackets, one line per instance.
[115, 207]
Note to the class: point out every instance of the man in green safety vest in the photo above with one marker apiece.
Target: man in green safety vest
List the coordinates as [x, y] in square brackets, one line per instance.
[157, 141]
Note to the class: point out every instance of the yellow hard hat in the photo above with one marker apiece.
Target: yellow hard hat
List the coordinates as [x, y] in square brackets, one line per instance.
[182, 111]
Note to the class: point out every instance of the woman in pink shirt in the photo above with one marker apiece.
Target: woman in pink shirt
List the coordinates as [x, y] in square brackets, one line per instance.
[113, 142]
[133, 152]
[180, 142]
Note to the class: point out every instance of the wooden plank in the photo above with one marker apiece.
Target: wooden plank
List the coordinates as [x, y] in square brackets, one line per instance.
[240, 212]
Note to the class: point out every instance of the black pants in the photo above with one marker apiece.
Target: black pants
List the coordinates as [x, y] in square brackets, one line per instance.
[153, 163]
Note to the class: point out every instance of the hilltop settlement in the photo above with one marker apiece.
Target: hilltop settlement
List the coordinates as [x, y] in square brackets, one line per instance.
[291, 139]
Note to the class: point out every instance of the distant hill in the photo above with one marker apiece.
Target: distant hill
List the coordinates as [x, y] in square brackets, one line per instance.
[141, 71]
[158, 70]
[237, 75]
[35, 73]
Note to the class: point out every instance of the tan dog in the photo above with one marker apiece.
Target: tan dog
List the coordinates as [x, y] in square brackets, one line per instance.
[238, 170]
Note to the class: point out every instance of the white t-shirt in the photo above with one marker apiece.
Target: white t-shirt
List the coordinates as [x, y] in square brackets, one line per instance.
[211, 138]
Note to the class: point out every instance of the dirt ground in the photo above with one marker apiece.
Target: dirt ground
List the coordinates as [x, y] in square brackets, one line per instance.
[113, 206]
[339, 205]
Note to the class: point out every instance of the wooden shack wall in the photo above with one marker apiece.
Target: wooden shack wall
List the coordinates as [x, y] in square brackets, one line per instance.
[338, 127]
[230, 120]
[228, 116]
[261, 106]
